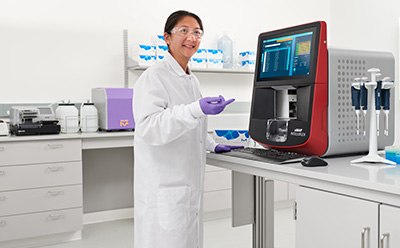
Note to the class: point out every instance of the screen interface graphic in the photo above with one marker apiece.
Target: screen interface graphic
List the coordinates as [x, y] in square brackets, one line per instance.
[286, 56]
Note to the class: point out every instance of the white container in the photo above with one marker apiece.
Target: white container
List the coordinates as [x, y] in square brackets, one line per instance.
[146, 60]
[214, 63]
[232, 137]
[68, 117]
[247, 55]
[89, 119]
[145, 49]
[214, 54]
[158, 40]
[226, 45]
[201, 53]
[198, 62]
[162, 50]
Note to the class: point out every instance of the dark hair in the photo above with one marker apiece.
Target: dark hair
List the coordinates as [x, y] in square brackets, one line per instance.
[175, 17]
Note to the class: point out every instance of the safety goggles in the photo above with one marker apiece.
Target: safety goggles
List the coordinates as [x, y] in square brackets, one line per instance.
[185, 31]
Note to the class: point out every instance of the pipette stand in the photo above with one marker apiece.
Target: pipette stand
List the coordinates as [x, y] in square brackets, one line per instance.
[372, 156]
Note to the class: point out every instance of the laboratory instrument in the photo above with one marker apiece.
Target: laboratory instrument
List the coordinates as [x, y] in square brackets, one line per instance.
[301, 96]
[32, 120]
[114, 106]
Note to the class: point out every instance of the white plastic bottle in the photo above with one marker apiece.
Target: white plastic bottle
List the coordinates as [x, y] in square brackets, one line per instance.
[68, 117]
[89, 121]
[226, 45]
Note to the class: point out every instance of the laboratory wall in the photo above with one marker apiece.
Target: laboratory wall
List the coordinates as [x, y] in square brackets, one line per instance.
[368, 25]
[54, 49]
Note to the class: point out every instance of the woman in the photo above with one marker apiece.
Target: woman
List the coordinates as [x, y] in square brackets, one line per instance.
[171, 141]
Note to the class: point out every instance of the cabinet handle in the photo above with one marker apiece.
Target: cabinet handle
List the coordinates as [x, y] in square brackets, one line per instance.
[55, 168]
[2, 173]
[382, 241]
[3, 198]
[365, 233]
[54, 217]
[55, 146]
[55, 193]
[3, 223]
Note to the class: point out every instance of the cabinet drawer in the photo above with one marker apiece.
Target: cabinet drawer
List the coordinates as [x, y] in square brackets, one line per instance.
[33, 152]
[46, 223]
[40, 200]
[40, 175]
[217, 180]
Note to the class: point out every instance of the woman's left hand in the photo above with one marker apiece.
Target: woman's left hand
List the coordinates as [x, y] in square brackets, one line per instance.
[225, 148]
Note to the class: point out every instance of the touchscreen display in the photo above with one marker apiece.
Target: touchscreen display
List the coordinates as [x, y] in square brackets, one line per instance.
[286, 56]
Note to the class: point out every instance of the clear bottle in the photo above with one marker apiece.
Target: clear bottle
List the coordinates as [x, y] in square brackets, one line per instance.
[226, 45]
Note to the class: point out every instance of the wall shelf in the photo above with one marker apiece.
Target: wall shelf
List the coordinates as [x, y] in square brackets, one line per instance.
[134, 66]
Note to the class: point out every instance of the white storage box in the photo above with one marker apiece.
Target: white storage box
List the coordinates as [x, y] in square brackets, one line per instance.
[232, 137]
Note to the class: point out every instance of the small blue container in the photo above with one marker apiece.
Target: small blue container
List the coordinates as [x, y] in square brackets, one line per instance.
[392, 153]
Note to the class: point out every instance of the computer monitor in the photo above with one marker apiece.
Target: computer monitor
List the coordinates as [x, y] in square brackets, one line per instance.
[288, 54]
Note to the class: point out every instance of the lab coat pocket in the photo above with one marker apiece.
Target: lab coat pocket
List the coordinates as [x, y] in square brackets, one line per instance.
[173, 207]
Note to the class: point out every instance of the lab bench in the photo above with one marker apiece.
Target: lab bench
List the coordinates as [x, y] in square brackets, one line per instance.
[50, 183]
[341, 205]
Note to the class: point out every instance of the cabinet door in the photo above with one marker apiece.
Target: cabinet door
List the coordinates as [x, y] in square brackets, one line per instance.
[390, 226]
[331, 220]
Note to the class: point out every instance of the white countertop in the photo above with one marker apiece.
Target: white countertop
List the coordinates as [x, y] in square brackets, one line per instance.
[12, 138]
[340, 175]
[98, 140]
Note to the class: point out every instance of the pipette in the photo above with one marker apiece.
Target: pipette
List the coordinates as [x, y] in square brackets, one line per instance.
[355, 100]
[385, 101]
[364, 101]
[378, 101]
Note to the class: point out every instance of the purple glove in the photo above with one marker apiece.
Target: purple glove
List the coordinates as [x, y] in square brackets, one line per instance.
[225, 148]
[214, 105]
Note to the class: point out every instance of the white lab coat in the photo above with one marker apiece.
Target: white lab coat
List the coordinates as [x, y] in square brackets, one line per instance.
[170, 153]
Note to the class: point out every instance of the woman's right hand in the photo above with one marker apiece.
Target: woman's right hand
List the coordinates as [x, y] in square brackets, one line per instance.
[214, 105]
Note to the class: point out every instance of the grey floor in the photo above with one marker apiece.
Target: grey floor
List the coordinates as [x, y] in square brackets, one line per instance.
[217, 234]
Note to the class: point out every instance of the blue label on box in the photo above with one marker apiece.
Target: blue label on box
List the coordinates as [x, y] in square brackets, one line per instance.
[164, 48]
[232, 134]
[199, 60]
[147, 47]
